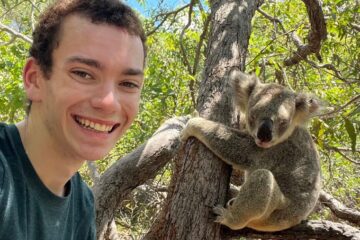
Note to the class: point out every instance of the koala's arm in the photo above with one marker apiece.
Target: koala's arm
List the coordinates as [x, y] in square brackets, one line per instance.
[229, 144]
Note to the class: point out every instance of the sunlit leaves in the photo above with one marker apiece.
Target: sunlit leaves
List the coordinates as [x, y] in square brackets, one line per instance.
[167, 89]
[352, 133]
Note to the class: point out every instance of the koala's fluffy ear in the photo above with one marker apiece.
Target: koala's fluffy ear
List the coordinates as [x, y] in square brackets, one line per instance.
[307, 106]
[242, 85]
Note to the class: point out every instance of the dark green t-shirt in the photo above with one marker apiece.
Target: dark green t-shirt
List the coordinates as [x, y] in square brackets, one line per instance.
[28, 210]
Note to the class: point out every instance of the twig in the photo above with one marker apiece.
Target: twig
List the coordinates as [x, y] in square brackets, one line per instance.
[197, 59]
[344, 149]
[331, 67]
[355, 26]
[330, 114]
[182, 48]
[166, 16]
[198, 49]
[273, 19]
[15, 33]
[13, 7]
[346, 157]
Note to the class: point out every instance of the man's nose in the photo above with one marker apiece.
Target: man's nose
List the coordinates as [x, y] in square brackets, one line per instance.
[106, 99]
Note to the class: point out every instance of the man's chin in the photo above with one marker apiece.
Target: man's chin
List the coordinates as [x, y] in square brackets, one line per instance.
[94, 156]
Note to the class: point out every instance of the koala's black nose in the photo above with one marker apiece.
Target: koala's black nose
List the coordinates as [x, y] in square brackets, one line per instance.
[264, 132]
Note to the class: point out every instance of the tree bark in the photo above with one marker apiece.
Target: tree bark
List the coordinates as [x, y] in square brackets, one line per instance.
[323, 230]
[339, 209]
[200, 180]
[133, 170]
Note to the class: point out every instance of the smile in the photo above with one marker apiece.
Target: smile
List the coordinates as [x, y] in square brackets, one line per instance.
[88, 124]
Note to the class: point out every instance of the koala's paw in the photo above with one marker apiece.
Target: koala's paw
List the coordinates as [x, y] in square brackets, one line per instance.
[190, 128]
[185, 134]
[220, 212]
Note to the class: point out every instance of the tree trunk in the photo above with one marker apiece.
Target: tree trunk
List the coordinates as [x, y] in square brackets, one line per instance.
[200, 180]
[133, 170]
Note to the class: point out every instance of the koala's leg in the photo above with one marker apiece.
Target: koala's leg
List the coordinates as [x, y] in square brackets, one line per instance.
[258, 197]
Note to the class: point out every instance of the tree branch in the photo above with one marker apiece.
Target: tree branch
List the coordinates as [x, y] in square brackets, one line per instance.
[198, 49]
[299, 44]
[355, 26]
[182, 48]
[11, 8]
[339, 109]
[273, 19]
[166, 16]
[324, 230]
[346, 157]
[339, 209]
[291, 34]
[133, 170]
[316, 35]
[331, 67]
[341, 150]
[15, 33]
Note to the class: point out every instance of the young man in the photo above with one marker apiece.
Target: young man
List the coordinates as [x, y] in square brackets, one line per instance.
[83, 81]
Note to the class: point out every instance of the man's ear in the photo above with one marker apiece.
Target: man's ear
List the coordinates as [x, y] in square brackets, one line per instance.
[32, 77]
[307, 106]
[243, 85]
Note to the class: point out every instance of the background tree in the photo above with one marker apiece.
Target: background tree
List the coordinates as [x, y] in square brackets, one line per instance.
[191, 49]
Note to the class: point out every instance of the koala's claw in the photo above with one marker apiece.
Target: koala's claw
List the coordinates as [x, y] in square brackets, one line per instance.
[219, 210]
[184, 136]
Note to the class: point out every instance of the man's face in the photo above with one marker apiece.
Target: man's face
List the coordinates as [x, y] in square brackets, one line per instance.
[93, 92]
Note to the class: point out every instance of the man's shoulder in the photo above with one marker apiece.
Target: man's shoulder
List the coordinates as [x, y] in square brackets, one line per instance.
[4, 168]
[3, 128]
[85, 209]
[82, 191]
[5, 131]
[3, 143]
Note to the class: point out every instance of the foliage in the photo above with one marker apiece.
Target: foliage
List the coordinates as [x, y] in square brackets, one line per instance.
[170, 88]
[269, 46]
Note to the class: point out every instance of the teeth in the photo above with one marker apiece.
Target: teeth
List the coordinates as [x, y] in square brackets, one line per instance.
[96, 126]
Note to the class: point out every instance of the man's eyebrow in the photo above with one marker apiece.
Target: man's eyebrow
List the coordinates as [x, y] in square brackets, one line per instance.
[87, 61]
[94, 63]
[133, 72]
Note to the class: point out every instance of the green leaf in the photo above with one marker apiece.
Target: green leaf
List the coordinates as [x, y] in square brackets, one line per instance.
[351, 131]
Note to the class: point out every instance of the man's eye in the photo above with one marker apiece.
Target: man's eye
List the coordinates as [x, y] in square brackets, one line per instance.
[82, 74]
[129, 85]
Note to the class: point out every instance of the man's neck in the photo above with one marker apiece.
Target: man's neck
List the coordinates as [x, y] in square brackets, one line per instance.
[52, 166]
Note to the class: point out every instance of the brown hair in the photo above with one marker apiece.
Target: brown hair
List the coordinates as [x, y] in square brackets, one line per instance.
[46, 34]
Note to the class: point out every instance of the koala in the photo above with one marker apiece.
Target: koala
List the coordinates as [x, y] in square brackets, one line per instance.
[276, 152]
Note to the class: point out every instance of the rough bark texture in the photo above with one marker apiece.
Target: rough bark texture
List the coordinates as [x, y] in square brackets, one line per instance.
[200, 180]
[133, 170]
[324, 230]
[339, 209]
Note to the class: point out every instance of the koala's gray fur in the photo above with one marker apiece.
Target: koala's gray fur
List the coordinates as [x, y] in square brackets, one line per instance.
[282, 170]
